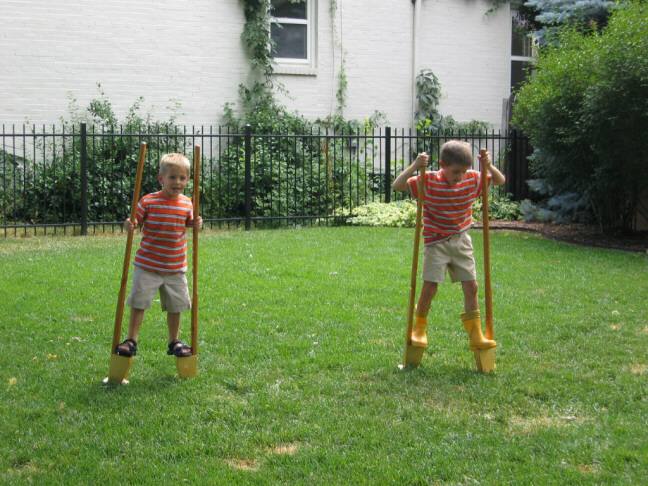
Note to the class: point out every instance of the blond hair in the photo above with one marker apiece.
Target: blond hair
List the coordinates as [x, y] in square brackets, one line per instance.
[178, 160]
[457, 152]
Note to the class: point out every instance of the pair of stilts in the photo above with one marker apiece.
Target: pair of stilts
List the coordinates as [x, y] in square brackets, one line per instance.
[415, 340]
[187, 365]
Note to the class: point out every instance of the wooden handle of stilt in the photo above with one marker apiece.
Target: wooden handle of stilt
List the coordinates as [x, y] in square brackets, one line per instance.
[129, 245]
[488, 291]
[196, 214]
[415, 256]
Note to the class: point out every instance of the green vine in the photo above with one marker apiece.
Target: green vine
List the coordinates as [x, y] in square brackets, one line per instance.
[259, 46]
[496, 5]
[341, 94]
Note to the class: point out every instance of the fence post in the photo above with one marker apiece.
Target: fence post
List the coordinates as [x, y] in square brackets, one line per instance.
[84, 179]
[388, 182]
[248, 177]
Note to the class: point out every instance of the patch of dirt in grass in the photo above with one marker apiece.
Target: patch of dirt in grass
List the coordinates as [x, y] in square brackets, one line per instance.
[637, 368]
[243, 464]
[532, 425]
[284, 449]
[589, 468]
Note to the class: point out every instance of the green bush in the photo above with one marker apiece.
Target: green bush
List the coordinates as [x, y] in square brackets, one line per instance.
[46, 183]
[403, 213]
[500, 207]
[306, 170]
[585, 112]
[394, 214]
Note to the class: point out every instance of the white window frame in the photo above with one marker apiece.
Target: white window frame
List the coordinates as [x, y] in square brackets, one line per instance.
[534, 47]
[286, 65]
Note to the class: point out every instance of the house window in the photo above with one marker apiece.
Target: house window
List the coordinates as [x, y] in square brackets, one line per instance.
[523, 51]
[292, 31]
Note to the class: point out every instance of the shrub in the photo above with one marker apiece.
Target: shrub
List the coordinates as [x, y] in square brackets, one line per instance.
[584, 110]
[403, 213]
[47, 189]
[394, 214]
[500, 207]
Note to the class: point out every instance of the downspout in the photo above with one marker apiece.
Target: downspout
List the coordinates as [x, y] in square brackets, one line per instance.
[415, 33]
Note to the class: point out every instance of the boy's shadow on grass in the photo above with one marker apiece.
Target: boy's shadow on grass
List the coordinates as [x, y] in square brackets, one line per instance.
[431, 372]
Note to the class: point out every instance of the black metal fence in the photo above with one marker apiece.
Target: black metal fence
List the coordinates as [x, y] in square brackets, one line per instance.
[75, 178]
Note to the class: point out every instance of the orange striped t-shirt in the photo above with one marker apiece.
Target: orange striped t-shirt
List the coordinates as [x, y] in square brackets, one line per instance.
[447, 210]
[164, 245]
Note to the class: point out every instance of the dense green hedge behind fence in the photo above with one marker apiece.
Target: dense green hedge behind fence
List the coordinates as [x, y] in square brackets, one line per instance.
[80, 177]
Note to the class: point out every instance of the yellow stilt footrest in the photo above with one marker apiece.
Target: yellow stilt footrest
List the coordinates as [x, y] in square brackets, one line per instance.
[485, 359]
[187, 366]
[119, 368]
[413, 356]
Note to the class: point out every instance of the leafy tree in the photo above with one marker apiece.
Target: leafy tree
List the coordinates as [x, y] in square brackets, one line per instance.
[550, 16]
[586, 112]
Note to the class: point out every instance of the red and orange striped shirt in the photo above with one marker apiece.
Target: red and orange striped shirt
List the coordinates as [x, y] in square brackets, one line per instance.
[164, 244]
[447, 210]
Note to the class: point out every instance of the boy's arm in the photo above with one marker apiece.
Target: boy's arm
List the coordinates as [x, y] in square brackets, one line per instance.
[496, 176]
[400, 183]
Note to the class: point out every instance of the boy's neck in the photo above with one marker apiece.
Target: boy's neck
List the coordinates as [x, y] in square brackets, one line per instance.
[166, 196]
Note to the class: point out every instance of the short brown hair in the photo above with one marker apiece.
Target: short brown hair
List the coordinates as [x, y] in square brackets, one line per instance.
[178, 160]
[457, 152]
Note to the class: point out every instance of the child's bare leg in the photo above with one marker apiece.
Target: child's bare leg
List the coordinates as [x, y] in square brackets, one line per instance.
[173, 321]
[428, 292]
[134, 324]
[471, 301]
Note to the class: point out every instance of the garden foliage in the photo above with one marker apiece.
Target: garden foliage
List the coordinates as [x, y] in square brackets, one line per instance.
[403, 213]
[585, 110]
[45, 182]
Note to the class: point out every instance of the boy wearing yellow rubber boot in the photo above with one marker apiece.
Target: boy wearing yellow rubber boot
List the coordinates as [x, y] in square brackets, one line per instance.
[447, 217]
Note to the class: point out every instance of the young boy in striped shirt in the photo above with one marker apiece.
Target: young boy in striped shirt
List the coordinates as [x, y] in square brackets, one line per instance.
[447, 216]
[161, 261]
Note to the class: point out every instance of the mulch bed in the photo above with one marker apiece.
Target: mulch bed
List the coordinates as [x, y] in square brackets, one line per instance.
[578, 234]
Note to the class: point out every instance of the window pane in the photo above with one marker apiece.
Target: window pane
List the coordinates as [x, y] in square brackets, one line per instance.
[521, 43]
[290, 40]
[519, 72]
[285, 8]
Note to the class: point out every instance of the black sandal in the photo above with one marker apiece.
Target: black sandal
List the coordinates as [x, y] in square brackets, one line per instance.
[177, 347]
[131, 344]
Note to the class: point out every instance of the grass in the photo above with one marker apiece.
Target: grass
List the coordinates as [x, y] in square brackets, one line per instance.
[300, 333]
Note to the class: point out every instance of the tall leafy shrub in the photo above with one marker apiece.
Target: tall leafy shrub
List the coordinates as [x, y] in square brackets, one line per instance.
[44, 185]
[586, 112]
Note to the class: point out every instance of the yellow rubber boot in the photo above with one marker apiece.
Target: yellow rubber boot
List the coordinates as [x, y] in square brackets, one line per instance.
[419, 338]
[472, 323]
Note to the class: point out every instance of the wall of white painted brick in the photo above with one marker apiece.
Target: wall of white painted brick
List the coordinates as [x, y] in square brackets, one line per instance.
[159, 49]
[192, 52]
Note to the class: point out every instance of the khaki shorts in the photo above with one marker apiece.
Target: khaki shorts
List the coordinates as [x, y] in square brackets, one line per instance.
[174, 292]
[454, 256]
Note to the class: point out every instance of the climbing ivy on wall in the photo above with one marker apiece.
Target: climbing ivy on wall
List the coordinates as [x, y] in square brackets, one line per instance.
[259, 45]
[341, 93]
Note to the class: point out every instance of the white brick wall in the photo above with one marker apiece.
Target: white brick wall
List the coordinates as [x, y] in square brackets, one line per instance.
[159, 49]
[192, 52]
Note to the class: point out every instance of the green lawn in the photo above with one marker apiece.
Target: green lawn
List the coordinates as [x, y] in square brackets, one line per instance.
[300, 333]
